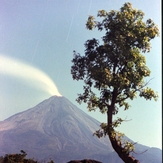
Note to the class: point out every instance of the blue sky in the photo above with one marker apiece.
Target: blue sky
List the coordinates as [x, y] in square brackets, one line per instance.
[42, 34]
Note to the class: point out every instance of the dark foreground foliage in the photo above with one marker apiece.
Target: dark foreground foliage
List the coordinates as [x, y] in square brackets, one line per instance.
[84, 161]
[18, 158]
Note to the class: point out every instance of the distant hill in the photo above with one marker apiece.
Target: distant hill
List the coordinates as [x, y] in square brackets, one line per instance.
[59, 130]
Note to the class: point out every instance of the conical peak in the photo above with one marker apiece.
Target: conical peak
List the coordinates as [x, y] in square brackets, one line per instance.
[53, 98]
[57, 100]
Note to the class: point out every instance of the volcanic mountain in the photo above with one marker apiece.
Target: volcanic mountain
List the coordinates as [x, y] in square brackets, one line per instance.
[59, 130]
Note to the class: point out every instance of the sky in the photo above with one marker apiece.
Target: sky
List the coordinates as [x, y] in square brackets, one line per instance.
[37, 39]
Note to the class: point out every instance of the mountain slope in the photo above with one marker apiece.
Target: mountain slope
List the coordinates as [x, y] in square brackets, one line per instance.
[57, 129]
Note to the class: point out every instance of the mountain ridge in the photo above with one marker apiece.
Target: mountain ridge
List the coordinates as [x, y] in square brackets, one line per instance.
[56, 120]
[57, 129]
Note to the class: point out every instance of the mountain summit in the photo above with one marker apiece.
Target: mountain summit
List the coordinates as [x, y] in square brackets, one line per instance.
[56, 129]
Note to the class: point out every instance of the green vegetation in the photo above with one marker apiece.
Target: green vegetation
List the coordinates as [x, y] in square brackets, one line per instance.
[18, 158]
[115, 68]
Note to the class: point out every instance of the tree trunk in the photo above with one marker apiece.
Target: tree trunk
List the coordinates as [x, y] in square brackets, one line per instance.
[116, 146]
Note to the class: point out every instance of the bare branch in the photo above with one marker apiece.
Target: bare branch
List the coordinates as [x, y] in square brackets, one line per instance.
[141, 152]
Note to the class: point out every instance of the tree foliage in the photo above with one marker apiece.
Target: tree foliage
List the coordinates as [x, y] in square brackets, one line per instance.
[18, 158]
[115, 66]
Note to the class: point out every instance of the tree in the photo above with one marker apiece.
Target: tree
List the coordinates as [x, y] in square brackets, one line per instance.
[113, 69]
[18, 158]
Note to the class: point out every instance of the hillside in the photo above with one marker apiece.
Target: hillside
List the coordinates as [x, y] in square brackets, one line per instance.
[57, 129]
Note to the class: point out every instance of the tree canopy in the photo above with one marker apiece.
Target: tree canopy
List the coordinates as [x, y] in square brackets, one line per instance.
[115, 66]
[18, 158]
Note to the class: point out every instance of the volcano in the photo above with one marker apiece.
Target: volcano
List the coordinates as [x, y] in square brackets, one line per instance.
[56, 129]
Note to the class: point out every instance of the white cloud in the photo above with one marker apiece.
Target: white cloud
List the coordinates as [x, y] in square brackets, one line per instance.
[23, 71]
